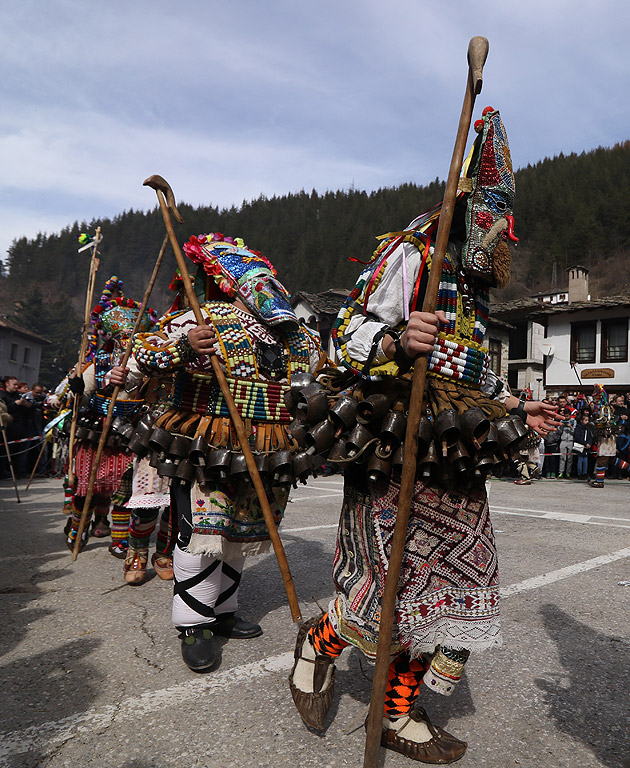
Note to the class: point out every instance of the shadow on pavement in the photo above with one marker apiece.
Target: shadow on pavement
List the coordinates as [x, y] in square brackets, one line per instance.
[262, 590]
[37, 688]
[21, 580]
[590, 701]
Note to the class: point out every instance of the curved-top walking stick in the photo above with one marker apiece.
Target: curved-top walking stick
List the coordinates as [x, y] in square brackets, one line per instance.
[112, 404]
[78, 371]
[166, 201]
[477, 53]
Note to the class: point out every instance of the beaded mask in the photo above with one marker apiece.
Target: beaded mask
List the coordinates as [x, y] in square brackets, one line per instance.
[243, 273]
[489, 219]
[117, 323]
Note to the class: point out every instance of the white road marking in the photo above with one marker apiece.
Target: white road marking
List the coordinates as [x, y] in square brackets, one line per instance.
[563, 573]
[325, 487]
[45, 736]
[319, 496]
[566, 517]
[309, 528]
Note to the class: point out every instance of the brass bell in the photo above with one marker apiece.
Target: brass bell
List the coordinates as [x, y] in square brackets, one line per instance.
[302, 466]
[392, 431]
[320, 437]
[298, 431]
[180, 446]
[218, 463]
[357, 440]
[429, 463]
[373, 408]
[425, 436]
[475, 427]
[378, 469]
[343, 413]
[312, 404]
[160, 441]
[198, 451]
[447, 429]
[185, 471]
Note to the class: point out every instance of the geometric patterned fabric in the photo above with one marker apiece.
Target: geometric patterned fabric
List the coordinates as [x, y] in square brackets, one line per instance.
[448, 590]
[111, 468]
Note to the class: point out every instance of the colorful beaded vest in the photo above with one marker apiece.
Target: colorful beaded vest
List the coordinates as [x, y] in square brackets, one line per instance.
[200, 393]
[458, 353]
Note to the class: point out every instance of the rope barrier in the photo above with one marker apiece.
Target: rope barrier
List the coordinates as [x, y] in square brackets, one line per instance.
[24, 439]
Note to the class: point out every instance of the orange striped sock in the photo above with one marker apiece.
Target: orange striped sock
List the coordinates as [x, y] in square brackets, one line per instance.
[325, 640]
[404, 678]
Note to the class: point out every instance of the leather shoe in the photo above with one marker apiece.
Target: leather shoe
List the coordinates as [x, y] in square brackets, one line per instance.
[199, 649]
[313, 707]
[442, 748]
[231, 625]
[163, 565]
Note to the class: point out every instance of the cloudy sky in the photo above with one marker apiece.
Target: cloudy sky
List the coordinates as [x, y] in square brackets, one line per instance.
[231, 99]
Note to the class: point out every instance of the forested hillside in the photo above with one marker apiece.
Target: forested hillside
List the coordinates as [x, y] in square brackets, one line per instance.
[570, 209]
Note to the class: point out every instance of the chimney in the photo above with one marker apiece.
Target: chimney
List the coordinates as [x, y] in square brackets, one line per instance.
[578, 284]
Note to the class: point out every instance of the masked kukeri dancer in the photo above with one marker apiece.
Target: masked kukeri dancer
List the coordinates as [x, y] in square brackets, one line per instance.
[253, 330]
[112, 319]
[448, 595]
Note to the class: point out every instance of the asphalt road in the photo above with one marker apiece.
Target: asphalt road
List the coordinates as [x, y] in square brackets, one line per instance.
[92, 674]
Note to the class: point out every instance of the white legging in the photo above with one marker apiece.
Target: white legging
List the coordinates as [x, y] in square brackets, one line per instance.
[204, 587]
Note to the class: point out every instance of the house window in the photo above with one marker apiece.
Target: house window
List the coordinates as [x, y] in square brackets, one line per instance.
[494, 355]
[14, 353]
[615, 341]
[27, 356]
[583, 342]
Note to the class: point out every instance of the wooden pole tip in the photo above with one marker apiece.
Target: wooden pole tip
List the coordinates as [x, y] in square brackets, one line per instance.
[478, 48]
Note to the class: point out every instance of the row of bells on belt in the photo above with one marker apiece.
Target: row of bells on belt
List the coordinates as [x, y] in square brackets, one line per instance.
[89, 428]
[451, 447]
[186, 459]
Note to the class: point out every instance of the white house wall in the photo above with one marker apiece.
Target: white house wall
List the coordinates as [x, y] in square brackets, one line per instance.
[15, 366]
[536, 337]
[559, 374]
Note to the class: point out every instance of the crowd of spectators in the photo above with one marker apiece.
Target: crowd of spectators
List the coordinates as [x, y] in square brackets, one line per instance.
[22, 417]
[570, 451]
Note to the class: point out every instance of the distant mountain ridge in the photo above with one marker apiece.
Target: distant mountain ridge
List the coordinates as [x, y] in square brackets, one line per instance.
[569, 209]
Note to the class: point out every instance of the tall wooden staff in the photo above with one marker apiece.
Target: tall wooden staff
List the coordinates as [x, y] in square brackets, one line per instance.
[39, 456]
[112, 404]
[164, 194]
[78, 371]
[477, 53]
[10, 460]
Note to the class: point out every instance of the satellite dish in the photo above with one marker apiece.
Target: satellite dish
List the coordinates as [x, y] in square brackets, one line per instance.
[547, 347]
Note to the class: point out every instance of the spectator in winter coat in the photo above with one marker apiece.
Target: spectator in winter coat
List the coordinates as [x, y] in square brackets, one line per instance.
[582, 444]
[623, 452]
[19, 409]
[552, 450]
[566, 442]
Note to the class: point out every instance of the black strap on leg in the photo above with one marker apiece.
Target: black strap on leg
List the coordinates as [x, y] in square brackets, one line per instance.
[180, 588]
[233, 574]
